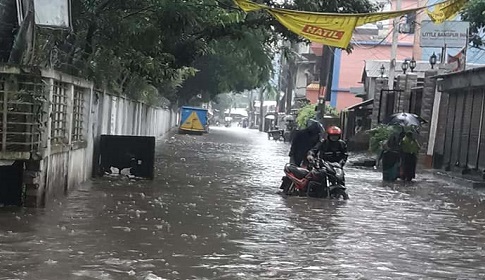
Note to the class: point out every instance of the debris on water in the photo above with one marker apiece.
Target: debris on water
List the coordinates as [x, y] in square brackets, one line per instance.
[131, 272]
[182, 159]
[151, 276]
[51, 262]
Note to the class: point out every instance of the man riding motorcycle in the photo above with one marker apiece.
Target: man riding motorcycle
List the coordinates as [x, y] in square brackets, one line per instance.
[332, 149]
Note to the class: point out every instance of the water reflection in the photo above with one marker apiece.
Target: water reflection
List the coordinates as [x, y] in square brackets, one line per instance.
[213, 213]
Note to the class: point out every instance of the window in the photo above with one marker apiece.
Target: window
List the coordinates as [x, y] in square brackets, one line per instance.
[78, 115]
[59, 106]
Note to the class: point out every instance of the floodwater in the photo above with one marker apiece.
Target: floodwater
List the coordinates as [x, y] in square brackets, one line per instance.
[213, 212]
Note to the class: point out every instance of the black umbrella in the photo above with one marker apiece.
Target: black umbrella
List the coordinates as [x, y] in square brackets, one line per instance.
[404, 119]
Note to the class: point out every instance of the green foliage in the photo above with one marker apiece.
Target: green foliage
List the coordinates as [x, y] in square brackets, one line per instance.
[378, 135]
[308, 112]
[305, 114]
[474, 13]
[171, 48]
[329, 110]
[382, 133]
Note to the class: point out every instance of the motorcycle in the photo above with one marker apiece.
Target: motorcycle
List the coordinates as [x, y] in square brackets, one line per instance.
[322, 179]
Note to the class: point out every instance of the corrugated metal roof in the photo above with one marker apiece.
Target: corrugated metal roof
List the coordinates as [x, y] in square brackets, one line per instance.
[361, 104]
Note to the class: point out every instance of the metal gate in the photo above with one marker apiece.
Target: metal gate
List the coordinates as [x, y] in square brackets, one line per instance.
[464, 140]
[415, 100]
[389, 101]
[11, 186]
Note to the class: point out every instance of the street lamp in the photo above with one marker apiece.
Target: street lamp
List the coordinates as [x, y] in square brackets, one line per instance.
[404, 66]
[412, 64]
[383, 69]
[432, 60]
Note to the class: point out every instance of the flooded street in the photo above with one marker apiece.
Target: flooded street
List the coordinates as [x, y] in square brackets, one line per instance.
[213, 212]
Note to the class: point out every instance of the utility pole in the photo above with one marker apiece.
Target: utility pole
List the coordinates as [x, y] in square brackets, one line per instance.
[395, 39]
[417, 51]
[289, 87]
[280, 72]
[326, 74]
[261, 102]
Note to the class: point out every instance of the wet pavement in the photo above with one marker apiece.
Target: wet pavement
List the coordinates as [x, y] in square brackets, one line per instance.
[213, 212]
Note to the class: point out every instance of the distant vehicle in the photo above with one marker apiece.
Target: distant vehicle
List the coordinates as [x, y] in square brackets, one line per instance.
[227, 121]
[193, 120]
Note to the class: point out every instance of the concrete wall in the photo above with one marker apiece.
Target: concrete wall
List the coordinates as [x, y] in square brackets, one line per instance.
[105, 114]
[121, 116]
[377, 117]
[73, 118]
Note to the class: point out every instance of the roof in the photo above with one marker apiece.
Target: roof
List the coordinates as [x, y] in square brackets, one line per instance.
[361, 104]
[467, 71]
[237, 111]
[372, 68]
[265, 103]
[194, 108]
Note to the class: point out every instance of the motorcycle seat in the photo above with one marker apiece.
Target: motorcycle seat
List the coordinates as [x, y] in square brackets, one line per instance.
[299, 172]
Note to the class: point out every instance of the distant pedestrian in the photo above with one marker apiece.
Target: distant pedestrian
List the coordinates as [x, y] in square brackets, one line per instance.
[358, 127]
[409, 156]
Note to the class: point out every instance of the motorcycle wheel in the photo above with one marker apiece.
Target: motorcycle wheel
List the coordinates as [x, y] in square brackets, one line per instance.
[340, 193]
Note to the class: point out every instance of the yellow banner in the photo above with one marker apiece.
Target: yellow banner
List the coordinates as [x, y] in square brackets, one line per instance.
[332, 29]
[445, 10]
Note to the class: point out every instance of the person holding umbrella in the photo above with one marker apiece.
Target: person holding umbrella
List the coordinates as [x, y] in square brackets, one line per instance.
[408, 144]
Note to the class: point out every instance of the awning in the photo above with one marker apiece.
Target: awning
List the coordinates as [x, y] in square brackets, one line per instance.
[361, 104]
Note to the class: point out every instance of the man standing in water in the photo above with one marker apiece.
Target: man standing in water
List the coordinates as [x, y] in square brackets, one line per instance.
[304, 141]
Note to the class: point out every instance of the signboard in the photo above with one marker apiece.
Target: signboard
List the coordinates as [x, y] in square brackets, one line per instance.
[53, 13]
[49, 13]
[452, 34]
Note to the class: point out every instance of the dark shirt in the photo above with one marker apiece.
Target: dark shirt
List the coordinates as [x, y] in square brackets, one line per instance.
[303, 141]
[331, 151]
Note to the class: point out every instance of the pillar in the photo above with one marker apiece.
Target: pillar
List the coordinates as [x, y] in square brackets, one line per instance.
[381, 84]
[428, 100]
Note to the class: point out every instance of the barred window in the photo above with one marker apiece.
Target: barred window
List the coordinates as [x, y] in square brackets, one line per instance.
[59, 107]
[21, 101]
[78, 115]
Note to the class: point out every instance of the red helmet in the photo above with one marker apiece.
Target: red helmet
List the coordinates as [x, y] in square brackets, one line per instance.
[334, 130]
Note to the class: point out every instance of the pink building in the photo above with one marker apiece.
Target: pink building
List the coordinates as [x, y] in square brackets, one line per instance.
[370, 42]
